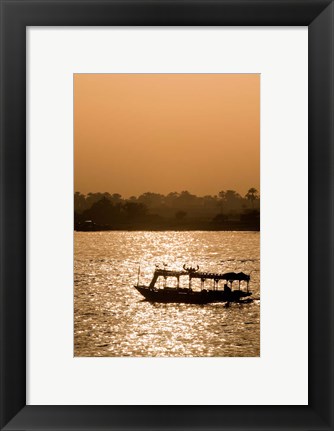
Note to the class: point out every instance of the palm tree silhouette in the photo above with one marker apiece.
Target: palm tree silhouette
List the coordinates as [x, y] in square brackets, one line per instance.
[252, 195]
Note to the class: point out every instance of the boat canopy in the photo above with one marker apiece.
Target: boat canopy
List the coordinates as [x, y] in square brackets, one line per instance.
[170, 273]
[228, 276]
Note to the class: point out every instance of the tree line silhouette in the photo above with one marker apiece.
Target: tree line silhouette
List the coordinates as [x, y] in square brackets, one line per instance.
[227, 210]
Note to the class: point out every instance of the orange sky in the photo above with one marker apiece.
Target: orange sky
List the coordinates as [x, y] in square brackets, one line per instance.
[135, 133]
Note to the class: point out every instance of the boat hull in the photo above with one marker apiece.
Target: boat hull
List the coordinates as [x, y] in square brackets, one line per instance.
[190, 297]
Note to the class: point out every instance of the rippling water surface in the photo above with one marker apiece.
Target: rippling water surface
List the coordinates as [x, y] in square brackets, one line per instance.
[111, 318]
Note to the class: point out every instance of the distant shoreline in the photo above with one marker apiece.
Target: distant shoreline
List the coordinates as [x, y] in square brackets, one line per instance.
[227, 226]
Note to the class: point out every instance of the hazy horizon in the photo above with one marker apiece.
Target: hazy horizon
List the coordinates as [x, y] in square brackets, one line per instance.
[242, 194]
[160, 133]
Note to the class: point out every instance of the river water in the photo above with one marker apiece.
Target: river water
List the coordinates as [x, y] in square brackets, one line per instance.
[111, 318]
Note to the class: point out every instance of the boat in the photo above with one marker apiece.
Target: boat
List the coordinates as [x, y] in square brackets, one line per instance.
[207, 294]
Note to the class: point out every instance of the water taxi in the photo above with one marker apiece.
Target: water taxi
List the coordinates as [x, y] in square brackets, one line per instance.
[207, 294]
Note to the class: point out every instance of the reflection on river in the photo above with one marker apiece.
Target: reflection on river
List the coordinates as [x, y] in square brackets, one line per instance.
[111, 318]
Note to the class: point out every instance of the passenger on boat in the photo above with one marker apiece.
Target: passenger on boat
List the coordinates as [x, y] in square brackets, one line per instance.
[226, 288]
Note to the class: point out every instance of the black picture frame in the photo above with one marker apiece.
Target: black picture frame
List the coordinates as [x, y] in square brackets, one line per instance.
[16, 15]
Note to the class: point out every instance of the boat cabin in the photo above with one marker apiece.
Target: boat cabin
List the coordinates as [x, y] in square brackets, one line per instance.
[228, 279]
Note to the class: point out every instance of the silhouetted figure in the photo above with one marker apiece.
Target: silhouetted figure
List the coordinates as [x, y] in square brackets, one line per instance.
[227, 289]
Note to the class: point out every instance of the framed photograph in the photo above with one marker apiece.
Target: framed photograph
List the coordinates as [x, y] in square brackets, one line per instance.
[166, 215]
[188, 131]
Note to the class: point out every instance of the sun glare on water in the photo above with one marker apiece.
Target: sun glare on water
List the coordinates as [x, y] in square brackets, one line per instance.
[112, 319]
